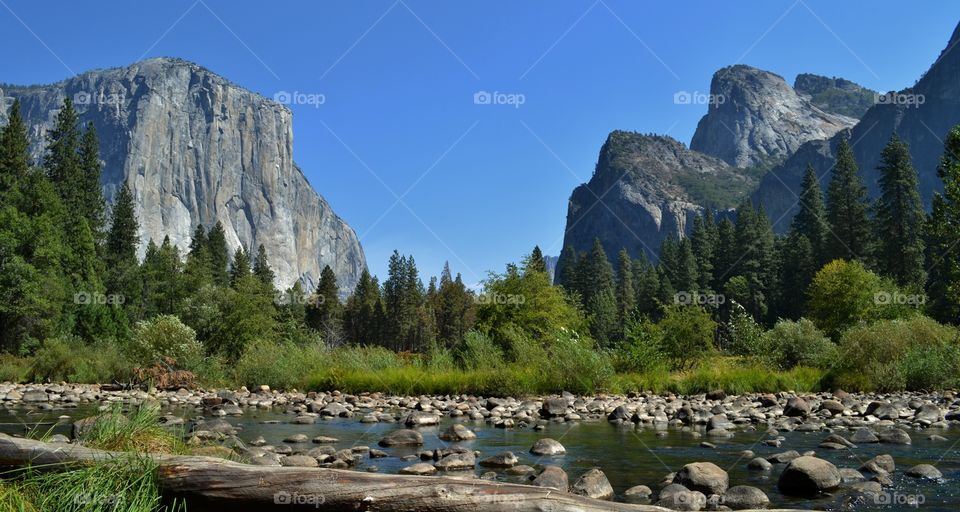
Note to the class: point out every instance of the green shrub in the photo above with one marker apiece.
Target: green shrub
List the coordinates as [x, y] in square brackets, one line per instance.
[280, 366]
[575, 365]
[437, 358]
[639, 352]
[478, 352]
[798, 343]
[686, 334]
[892, 355]
[14, 368]
[68, 358]
[165, 336]
[743, 335]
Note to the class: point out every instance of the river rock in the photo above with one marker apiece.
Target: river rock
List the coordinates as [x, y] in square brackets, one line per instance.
[796, 407]
[593, 484]
[457, 432]
[864, 436]
[808, 476]
[421, 419]
[296, 438]
[880, 464]
[553, 407]
[547, 446]
[759, 464]
[521, 469]
[456, 462]
[705, 477]
[924, 471]
[500, 460]
[783, 457]
[420, 468]
[850, 475]
[928, 413]
[552, 476]
[638, 492]
[299, 461]
[741, 497]
[404, 437]
[894, 436]
[678, 497]
[883, 411]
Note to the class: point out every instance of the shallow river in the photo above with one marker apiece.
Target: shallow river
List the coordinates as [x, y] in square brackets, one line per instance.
[628, 456]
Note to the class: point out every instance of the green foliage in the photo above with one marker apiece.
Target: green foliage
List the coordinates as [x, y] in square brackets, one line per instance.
[69, 358]
[743, 335]
[892, 355]
[162, 337]
[639, 352]
[942, 233]
[811, 219]
[138, 432]
[899, 217]
[280, 366]
[798, 343]
[324, 312]
[479, 352]
[847, 210]
[686, 334]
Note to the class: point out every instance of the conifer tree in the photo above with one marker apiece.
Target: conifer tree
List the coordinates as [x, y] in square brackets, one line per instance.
[455, 308]
[726, 254]
[899, 217]
[536, 262]
[704, 244]
[14, 153]
[122, 240]
[943, 236]
[362, 320]
[196, 271]
[218, 254]
[261, 268]
[94, 207]
[324, 313]
[847, 210]
[626, 292]
[240, 267]
[811, 219]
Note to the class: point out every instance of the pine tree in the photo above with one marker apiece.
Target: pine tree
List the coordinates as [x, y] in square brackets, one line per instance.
[261, 268]
[163, 282]
[219, 255]
[798, 265]
[943, 236]
[93, 202]
[324, 313]
[847, 210]
[362, 320]
[726, 254]
[811, 220]
[626, 293]
[197, 268]
[122, 240]
[62, 160]
[455, 308]
[754, 238]
[646, 286]
[535, 262]
[566, 270]
[14, 153]
[899, 217]
[240, 267]
[598, 294]
[704, 244]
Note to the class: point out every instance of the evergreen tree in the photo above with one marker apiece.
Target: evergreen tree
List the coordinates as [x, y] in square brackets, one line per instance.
[646, 285]
[811, 219]
[847, 210]
[62, 160]
[455, 311]
[14, 153]
[123, 270]
[196, 271]
[754, 238]
[261, 268]
[899, 217]
[363, 311]
[218, 254]
[536, 262]
[726, 255]
[240, 267]
[598, 294]
[89, 160]
[324, 313]
[798, 265]
[943, 236]
[626, 293]
[163, 284]
[402, 297]
[566, 270]
[704, 239]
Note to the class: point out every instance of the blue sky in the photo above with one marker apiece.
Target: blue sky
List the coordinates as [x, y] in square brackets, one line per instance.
[479, 184]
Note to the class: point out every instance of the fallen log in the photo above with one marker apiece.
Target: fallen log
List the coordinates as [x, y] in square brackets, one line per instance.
[208, 483]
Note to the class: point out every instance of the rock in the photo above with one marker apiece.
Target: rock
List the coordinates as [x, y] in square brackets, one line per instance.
[421, 419]
[879, 464]
[233, 146]
[705, 477]
[883, 411]
[924, 471]
[547, 446]
[678, 497]
[848, 475]
[796, 407]
[760, 464]
[500, 460]
[928, 413]
[420, 468]
[58, 438]
[325, 440]
[593, 484]
[936, 438]
[299, 461]
[403, 437]
[457, 432]
[553, 407]
[719, 421]
[522, 469]
[35, 396]
[638, 492]
[552, 476]
[716, 394]
[894, 436]
[808, 476]
[741, 497]
[619, 414]
[783, 457]
[864, 436]
[832, 406]
[296, 438]
[304, 420]
[456, 462]
[836, 442]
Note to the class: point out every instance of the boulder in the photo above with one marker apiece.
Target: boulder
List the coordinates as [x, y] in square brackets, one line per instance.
[808, 476]
[637, 493]
[864, 436]
[705, 477]
[894, 436]
[552, 476]
[457, 432]
[678, 497]
[456, 462]
[740, 497]
[924, 471]
[796, 407]
[547, 446]
[759, 464]
[879, 464]
[420, 468]
[403, 437]
[593, 484]
[553, 407]
[299, 461]
[500, 460]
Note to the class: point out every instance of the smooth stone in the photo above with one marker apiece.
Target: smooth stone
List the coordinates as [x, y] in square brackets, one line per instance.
[299, 461]
[760, 464]
[552, 476]
[457, 432]
[403, 437]
[500, 460]
[705, 477]
[894, 436]
[420, 468]
[880, 464]
[593, 484]
[808, 476]
[740, 497]
[924, 471]
[547, 446]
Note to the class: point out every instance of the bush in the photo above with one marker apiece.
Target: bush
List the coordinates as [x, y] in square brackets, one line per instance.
[743, 335]
[68, 358]
[575, 365]
[686, 334]
[798, 343]
[437, 358]
[640, 349]
[280, 366]
[479, 352]
[892, 355]
[14, 368]
[165, 336]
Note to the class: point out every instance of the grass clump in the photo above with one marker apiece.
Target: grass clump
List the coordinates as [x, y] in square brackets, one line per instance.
[138, 432]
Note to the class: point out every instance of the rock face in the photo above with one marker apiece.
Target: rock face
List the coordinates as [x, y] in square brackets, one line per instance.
[646, 188]
[921, 116]
[194, 149]
[758, 118]
[835, 95]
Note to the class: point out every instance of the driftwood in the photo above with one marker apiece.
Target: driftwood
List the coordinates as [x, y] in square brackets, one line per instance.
[208, 483]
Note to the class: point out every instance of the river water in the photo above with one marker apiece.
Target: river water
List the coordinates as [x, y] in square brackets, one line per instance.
[627, 455]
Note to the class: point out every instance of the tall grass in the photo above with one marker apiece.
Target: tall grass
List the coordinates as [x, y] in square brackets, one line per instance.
[139, 432]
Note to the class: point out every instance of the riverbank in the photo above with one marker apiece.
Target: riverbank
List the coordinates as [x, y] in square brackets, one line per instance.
[625, 447]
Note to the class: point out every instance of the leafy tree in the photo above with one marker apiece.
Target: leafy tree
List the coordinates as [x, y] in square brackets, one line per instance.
[899, 217]
[811, 220]
[847, 210]
[686, 334]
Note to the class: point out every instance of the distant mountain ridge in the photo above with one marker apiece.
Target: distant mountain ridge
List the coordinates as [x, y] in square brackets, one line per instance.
[196, 148]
